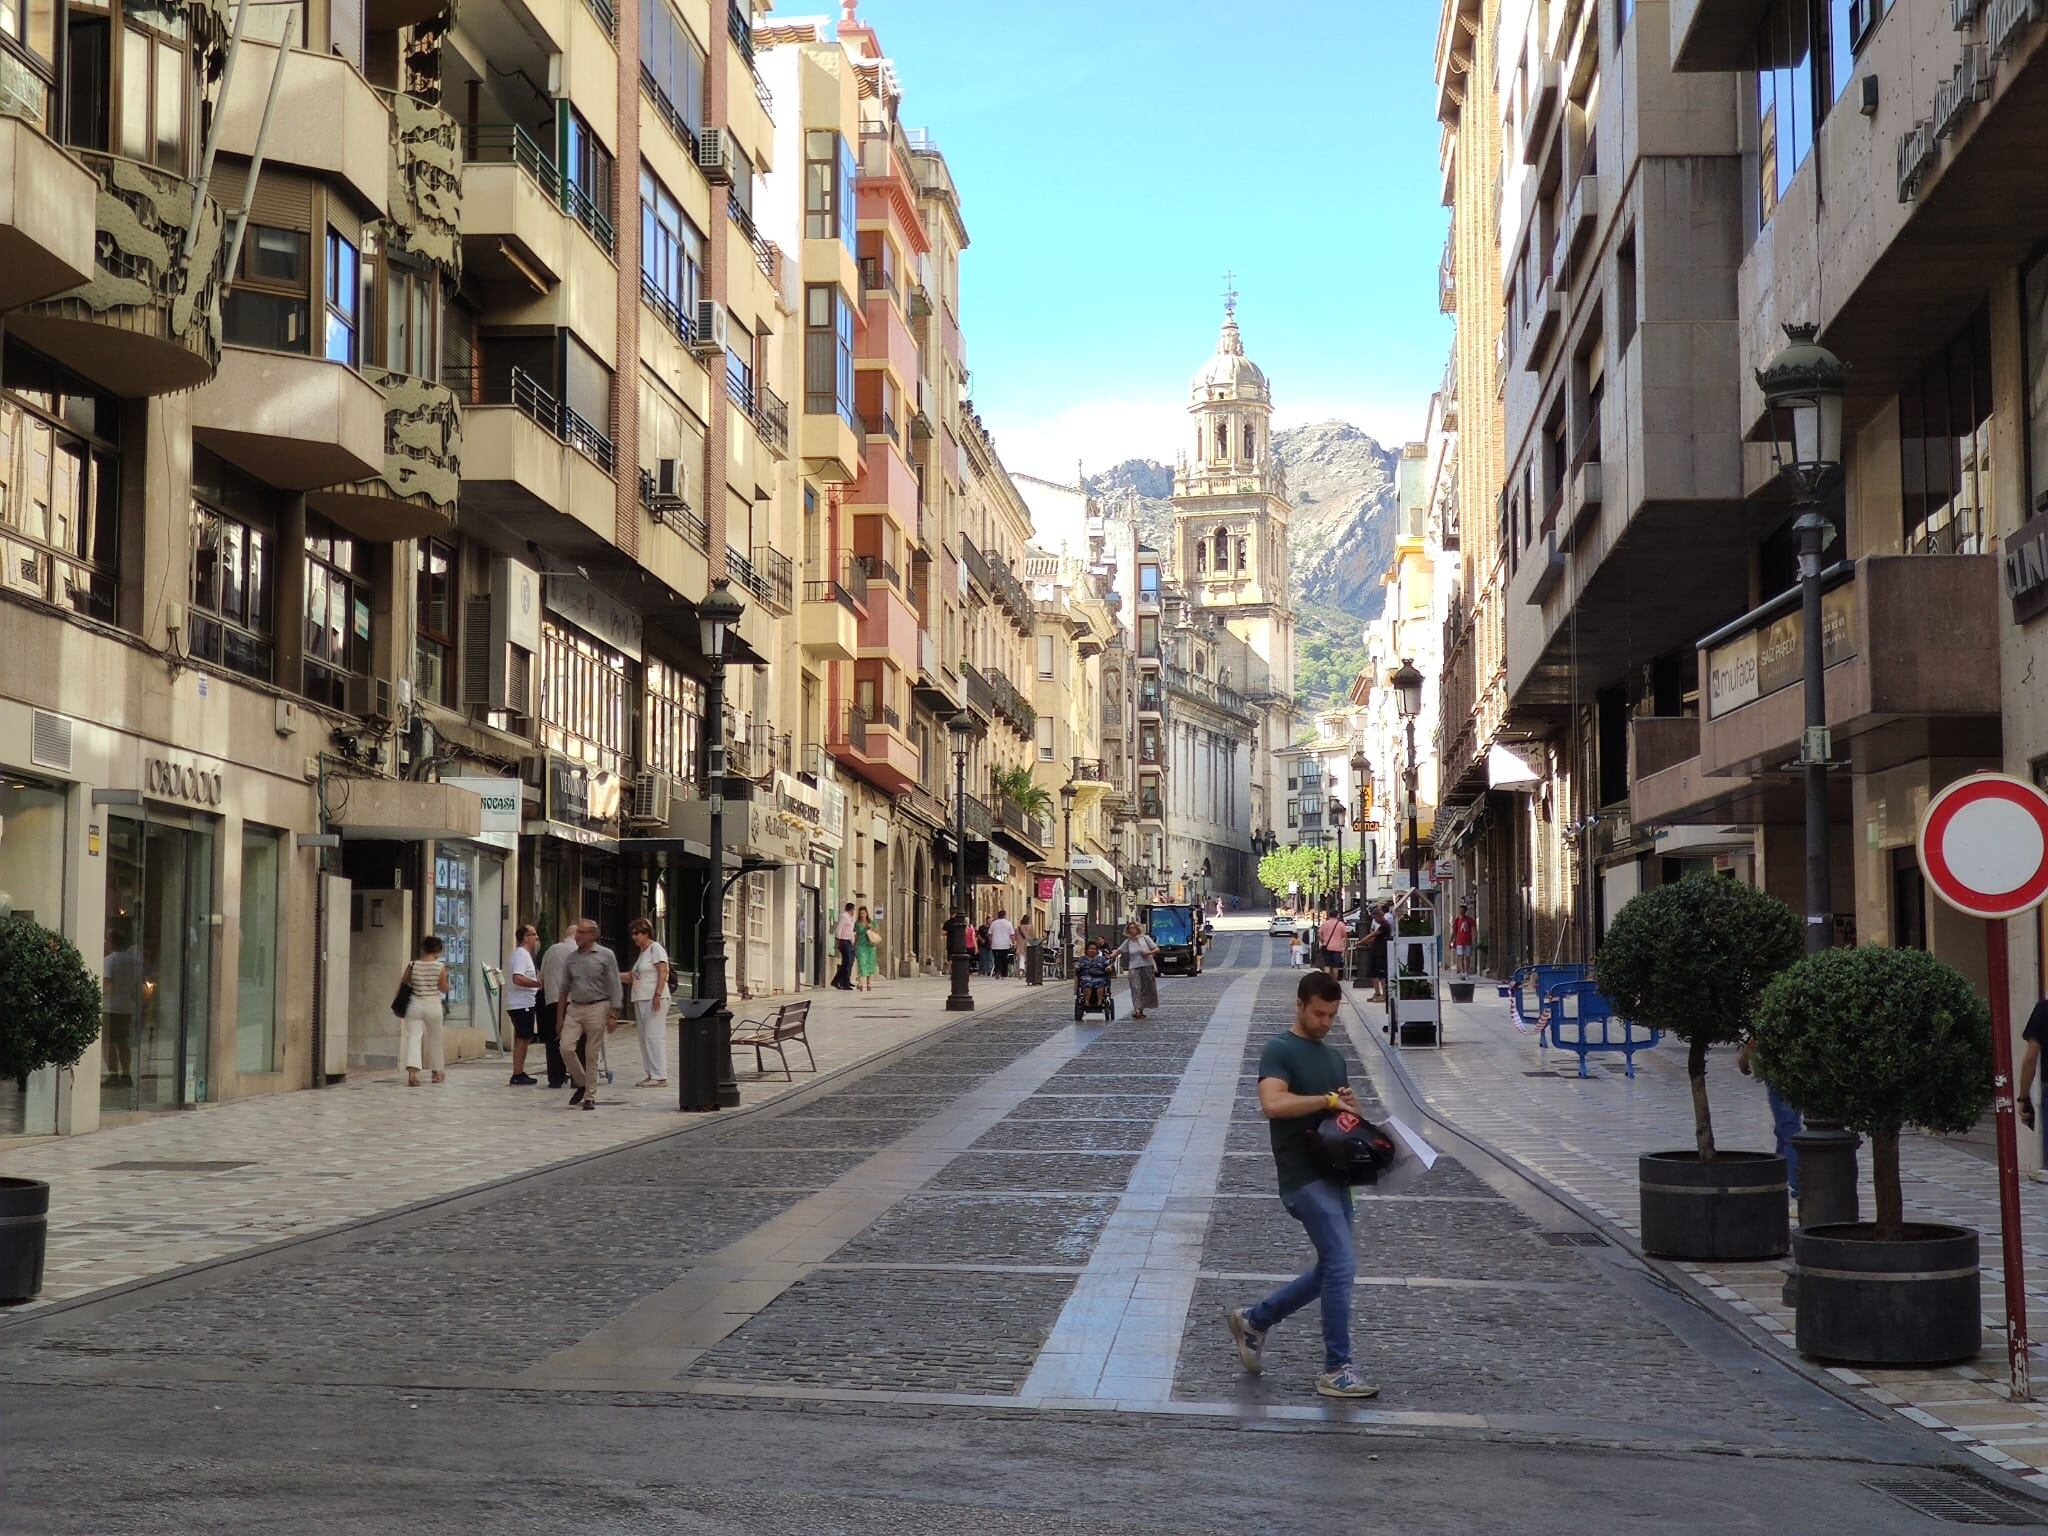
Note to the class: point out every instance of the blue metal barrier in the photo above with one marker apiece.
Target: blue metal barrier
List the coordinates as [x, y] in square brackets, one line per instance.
[1577, 1017]
[1528, 986]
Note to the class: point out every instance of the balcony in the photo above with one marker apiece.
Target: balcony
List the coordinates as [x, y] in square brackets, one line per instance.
[889, 630]
[513, 227]
[1030, 835]
[1581, 219]
[145, 323]
[1150, 807]
[1539, 122]
[763, 248]
[1715, 36]
[979, 822]
[46, 216]
[1151, 699]
[876, 750]
[1447, 278]
[1667, 787]
[293, 421]
[981, 693]
[1011, 707]
[977, 564]
[771, 419]
[829, 439]
[768, 577]
[1546, 319]
[1911, 650]
[414, 496]
[887, 484]
[671, 511]
[828, 624]
[328, 120]
[532, 463]
[936, 688]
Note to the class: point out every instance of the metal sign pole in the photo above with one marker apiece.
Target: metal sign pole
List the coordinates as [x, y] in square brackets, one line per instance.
[2004, 1108]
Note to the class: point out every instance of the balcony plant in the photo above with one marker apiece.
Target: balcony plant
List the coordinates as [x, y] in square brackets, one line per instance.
[1693, 959]
[53, 1013]
[1018, 787]
[1877, 1040]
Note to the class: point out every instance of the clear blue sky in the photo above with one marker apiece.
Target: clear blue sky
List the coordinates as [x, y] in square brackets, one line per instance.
[1114, 157]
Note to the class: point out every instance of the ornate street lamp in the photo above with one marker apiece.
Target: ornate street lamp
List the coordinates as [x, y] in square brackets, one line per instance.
[1361, 797]
[959, 1000]
[1067, 794]
[1803, 390]
[1407, 684]
[717, 617]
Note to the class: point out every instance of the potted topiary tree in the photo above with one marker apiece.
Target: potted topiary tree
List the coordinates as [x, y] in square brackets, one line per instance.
[1880, 1039]
[1692, 959]
[52, 1014]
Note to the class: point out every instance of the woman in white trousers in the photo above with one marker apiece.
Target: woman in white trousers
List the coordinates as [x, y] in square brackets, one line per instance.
[427, 977]
[650, 1003]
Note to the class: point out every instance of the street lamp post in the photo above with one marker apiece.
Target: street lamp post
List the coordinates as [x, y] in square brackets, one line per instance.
[1408, 693]
[1067, 793]
[1361, 798]
[718, 615]
[959, 1000]
[1803, 388]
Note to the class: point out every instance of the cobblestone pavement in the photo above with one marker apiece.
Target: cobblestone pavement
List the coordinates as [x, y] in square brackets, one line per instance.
[1584, 1135]
[976, 1287]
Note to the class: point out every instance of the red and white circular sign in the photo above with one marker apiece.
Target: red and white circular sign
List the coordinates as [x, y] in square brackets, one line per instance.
[1984, 845]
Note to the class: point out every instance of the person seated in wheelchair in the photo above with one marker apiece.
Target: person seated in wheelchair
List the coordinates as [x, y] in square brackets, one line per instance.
[1091, 978]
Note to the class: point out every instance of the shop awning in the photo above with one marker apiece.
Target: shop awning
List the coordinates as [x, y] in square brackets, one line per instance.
[402, 811]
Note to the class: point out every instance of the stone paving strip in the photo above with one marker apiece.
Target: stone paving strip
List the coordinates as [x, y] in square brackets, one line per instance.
[156, 1195]
[1583, 1136]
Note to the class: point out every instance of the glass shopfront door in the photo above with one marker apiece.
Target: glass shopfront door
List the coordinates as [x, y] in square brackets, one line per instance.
[159, 961]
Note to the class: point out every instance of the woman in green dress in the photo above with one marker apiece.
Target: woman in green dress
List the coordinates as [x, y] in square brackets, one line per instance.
[865, 958]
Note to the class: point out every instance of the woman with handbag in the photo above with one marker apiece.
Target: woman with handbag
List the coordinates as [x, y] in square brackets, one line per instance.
[867, 955]
[421, 1005]
[1141, 964]
[650, 1002]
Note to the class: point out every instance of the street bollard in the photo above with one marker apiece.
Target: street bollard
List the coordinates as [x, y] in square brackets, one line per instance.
[697, 1074]
[1827, 1174]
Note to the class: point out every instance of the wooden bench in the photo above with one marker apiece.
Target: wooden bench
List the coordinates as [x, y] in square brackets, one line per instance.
[776, 1032]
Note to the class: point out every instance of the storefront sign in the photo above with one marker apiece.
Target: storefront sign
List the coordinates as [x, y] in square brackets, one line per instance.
[2006, 21]
[595, 611]
[579, 796]
[1968, 84]
[1046, 884]
[500, 797]
[1513, 767]
[1085, 863]
[2026, 570]
[189, 782]
[1757, 663]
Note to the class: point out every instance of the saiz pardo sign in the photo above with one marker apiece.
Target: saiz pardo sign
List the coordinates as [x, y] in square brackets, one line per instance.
[182, 781]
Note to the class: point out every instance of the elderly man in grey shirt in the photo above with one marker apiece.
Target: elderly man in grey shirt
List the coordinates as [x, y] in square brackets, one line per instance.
[591, 994]
[554, 975]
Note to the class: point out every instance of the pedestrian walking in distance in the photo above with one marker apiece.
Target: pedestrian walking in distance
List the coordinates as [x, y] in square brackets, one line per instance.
[1302, 1082]
[1330, 940]
[1141, 964]
[843, 937]
[1462, 934]
[554, 981]
[593, 993]
[523, 1002]
[867, 956]
[427, 977]
[1002, 942]
[650, 1002]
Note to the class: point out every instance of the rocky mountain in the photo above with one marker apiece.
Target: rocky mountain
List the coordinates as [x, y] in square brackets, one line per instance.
[1342, 486]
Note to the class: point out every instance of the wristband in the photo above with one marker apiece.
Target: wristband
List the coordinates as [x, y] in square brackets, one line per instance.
[1331, 1101]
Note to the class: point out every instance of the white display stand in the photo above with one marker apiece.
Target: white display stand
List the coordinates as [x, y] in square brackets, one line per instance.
[1412, 966]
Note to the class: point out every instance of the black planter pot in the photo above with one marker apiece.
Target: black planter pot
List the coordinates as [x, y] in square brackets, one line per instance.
[24, 1225]
[1731, 1208]
[1916, 1300]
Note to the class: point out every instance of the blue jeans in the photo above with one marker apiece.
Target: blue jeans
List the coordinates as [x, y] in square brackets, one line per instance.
[1785, 1124]
[1324, 1211]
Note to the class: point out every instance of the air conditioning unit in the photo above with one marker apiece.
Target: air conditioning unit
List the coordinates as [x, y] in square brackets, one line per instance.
[370, 697]
[533, 770]
[714, 156]
[652, 800]
[667, 499]
[500, 639]
[710, 331]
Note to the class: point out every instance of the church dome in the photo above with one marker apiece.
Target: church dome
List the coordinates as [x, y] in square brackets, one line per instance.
[1229, 373]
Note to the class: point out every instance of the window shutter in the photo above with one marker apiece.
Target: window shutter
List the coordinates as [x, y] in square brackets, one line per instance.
[476, 654]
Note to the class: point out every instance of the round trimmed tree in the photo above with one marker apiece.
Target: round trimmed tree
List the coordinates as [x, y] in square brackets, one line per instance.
[1877, 1040]
[1693, 959]
[53, 1003]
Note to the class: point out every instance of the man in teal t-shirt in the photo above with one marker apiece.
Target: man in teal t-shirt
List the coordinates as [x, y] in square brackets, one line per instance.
[1303, 1081]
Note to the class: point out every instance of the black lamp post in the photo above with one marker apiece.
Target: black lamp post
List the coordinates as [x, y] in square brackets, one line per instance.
[1361, 797]
[959, 1000]
[1408, 694]
[717, 616]
[1803, 388]
[1067, 793]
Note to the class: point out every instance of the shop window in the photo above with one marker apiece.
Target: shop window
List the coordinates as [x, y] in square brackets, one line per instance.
[232, 622]
[434, 599]
[256, 967]
[586, 698]
[59, 489]
[1945, 446]
[268, 307]
[338, 612]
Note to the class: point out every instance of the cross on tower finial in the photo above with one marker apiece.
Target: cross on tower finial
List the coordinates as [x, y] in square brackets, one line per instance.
[1230, 294]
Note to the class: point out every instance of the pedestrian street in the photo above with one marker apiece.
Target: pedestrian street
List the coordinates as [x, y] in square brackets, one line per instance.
[976, 1284]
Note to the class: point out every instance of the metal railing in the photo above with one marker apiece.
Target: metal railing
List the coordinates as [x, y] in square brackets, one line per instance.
[771, 417]
[880, 570]
[888, 715]
[764, 248]
[742, 32]
[977, 563]
[668, 310]
[668, 111]
[510, 144]
[854, 728]
[981, 694]
[584, 210]
[979, 822]
[606, 17]
[587, 440]
[879, 423]
[739, 388]
[853, 578]
[546, 412]
[741, 570]
[779, 576]
[1091, 770]
[673, 512]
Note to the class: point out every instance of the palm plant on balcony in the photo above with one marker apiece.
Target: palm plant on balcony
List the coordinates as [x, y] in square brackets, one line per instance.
[1024, 792]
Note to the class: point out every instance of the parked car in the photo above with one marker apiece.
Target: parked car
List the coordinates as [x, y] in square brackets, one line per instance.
[1282, 926]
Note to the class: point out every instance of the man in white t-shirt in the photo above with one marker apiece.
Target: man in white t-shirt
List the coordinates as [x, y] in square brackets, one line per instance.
[842, 936]
[1002, 942]
[522, 1002]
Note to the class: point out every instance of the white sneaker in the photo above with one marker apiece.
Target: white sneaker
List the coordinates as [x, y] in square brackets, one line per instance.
[649, 1082]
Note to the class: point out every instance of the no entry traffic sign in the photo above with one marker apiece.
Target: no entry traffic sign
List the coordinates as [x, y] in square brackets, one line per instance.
[1984, 850]
[1984, 845]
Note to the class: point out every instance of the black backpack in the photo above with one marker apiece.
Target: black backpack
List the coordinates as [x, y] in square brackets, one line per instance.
[1350, 1148]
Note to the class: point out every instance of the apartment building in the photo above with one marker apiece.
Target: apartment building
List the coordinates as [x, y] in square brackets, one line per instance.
[1077, 619]
[358, 503]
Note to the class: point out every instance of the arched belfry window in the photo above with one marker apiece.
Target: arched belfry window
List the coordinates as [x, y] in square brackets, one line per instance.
[1201, 555]
[1241, 544]
[1222, 439]
[1222, 549]
[1251, 443]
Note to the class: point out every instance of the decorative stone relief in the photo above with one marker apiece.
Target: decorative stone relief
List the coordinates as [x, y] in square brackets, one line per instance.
[142, 215]
[422, 438]
[425, 194]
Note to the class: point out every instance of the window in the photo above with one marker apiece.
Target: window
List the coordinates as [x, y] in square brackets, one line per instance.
[256, 967]
[153, 88]
[828, 353]
[675, 722]
[433, 669]
[585, 698]
[1044, 727]
[268, 307]
[28, 32]
[412, 312]
[1045, 655]
[830, 208]
[2034, 332]
[671, 250]
[1222, 440]
[672, 65]
[814, 552]
[1222, 541]
[587, 396]
[1251, 443]
[1148, 636]
[59, 489]
[739, 363]
[1849, 22]
[1624, 12]
[1148, 585]
[344, 299]
[742, 189]
[1311, 806]
[587, 179]
[1788, 102]
[1945, 446]
[232, 621]
[337, 612]
[1242, 545]
[1625, 286]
